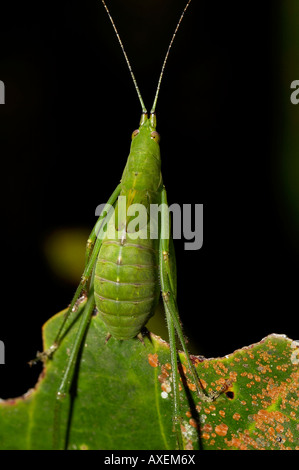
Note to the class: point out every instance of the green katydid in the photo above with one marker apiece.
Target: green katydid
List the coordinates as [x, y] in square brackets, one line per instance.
[125, 276]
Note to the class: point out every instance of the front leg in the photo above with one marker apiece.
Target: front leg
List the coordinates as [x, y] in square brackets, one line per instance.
[92, 250]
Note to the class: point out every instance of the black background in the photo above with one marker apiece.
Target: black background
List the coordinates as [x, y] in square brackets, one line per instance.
[65, 134]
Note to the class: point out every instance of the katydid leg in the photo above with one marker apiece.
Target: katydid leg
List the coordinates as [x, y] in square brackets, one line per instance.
[96, 229]
[175, 374]
[172, 342]
[168, 294]
[92, 250]
[66, 382]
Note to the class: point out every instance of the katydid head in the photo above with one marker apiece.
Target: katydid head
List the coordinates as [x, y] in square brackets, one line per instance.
[143, 167]
[146, 136]
[150, 122]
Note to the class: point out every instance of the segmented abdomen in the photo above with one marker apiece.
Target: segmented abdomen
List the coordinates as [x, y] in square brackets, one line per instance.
[126, 285]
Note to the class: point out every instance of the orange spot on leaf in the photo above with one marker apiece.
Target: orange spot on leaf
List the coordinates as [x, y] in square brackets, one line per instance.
[236, 416]
[153, 360]
[221, 429]
[207, 427]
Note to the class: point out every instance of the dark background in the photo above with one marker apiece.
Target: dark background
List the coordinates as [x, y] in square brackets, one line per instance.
[65, 134]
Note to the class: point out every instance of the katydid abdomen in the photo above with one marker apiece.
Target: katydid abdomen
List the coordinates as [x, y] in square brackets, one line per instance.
[126, 286]
[126, 280]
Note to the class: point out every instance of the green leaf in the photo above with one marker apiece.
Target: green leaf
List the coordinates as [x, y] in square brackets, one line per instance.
[260, 408]
[122, 397]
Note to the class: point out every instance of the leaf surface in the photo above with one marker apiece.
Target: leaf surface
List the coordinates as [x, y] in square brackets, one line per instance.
[122, 397]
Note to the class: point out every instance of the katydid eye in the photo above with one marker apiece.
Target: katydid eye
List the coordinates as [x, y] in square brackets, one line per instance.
[155, 136]
[135, 133]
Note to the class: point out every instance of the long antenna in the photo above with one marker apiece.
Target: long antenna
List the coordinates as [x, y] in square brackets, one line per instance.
[144, 111]
[166, 57]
